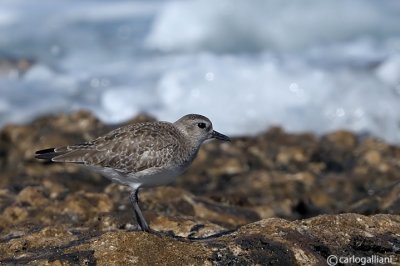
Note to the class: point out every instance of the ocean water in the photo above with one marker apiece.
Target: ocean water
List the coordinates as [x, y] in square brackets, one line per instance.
[307, 65]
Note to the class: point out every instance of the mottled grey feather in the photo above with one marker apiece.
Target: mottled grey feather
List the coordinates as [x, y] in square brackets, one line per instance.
[132, 148]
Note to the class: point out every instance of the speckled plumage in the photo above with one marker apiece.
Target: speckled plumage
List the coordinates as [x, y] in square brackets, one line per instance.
[142, 154]
[132, 148]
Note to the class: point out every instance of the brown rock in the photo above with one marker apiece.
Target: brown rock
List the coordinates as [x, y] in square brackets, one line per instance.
[269, 241]
[86, 205]
[268, 199]
[33, 196]
[15, 214]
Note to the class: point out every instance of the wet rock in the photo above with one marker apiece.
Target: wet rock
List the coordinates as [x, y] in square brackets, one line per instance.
[336, 151]
[274, 198]
[14, 214]
[33, 196]
[384, 201]
[84, 205]
[19, 142]
[266, 242]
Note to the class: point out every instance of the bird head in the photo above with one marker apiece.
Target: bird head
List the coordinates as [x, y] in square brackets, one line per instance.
[199, 128]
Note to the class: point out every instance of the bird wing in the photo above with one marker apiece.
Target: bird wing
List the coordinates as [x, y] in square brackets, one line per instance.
[128, 149]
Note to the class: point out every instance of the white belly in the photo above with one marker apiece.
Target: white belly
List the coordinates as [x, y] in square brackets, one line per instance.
[153, 178]
[147, 178]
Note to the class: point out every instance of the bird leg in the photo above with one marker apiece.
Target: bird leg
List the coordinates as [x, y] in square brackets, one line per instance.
[138, 213]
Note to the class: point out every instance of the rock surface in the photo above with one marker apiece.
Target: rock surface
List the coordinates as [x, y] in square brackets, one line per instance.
[273, 199]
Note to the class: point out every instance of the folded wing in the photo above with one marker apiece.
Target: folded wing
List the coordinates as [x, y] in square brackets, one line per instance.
[128, 149]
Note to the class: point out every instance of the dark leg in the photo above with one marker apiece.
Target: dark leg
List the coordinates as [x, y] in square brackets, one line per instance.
[138, 213]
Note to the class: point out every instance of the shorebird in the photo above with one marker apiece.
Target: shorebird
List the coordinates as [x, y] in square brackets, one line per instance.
[140, 155]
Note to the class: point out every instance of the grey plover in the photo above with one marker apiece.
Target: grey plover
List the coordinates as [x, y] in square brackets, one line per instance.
[141, 155]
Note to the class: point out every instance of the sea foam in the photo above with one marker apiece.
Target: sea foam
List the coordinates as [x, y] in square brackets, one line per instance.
[312, 66]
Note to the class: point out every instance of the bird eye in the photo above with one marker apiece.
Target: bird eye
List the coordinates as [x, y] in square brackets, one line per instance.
[201, 125]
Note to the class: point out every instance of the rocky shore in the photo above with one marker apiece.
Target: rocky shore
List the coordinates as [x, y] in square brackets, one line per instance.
[272, 199]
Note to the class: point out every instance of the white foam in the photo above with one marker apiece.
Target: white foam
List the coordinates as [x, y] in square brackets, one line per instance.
[6, 18]
[310, 66]
[122, 103]
[39, 72]
[244, 96]
[389, 71]
[257, 25]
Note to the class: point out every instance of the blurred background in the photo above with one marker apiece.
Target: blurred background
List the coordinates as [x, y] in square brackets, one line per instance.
[304, 65]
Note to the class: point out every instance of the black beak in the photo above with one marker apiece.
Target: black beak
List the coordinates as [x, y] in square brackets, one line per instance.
[217, 135]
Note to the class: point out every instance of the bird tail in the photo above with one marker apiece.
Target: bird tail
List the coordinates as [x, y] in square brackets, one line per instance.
[67, 154]
[48, 154]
